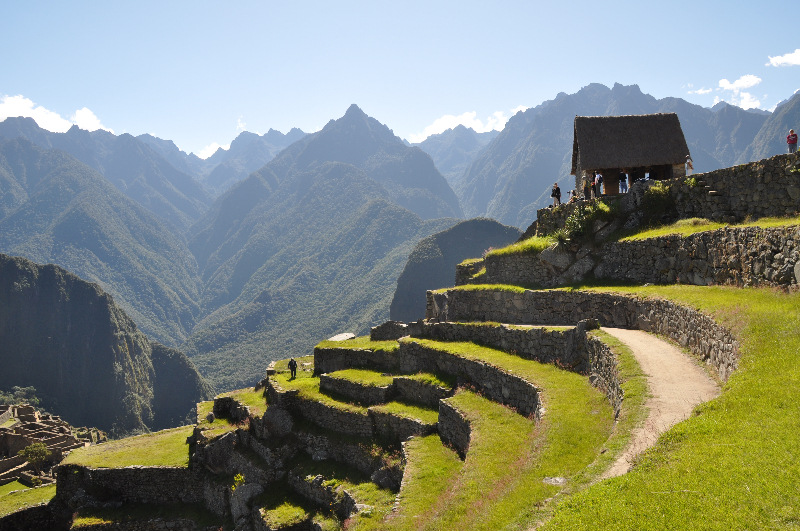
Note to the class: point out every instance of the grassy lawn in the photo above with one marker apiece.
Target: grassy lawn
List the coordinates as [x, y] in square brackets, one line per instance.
[11, 503]
[8, 423]
[733, 464]
[92, 516]
[304, 363]
[409, 411]
[253, 399]
[481, 287]
[360, 342]
[8, 487]
[162, 448]
[363, 377]
[533, 245]
[280, 507]
[437, 380]
[687, 227]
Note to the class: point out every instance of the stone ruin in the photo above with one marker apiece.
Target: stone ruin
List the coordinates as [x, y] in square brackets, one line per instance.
[21, 426]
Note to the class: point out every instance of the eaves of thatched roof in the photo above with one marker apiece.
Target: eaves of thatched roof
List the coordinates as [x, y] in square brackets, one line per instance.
[627, 141]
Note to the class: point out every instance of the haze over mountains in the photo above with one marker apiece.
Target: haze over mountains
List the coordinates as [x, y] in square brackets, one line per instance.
[309, 240]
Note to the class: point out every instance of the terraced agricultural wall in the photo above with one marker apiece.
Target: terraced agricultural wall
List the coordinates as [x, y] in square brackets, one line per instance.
[131, 484]
[454, 428]
[690, 328]
[748, 255]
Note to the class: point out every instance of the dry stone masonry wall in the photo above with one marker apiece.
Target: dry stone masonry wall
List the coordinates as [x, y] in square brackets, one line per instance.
[454, 428]
[690, 328]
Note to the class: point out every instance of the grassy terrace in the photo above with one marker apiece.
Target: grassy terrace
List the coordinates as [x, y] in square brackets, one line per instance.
[438, 380]
[13, 502]
[687, 227]
[533, 245]
[359, 342]
[91, 516]
[255, 400]
[733, 464]
[281, 508]
[409, 411]
[162, 448]
[363, 377]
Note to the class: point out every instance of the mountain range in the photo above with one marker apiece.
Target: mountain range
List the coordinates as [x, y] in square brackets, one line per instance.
[454, 149]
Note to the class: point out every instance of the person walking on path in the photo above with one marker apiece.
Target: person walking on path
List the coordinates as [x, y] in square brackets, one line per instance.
[689, 165]
[791, 141]
[556, 195]
[293, 368]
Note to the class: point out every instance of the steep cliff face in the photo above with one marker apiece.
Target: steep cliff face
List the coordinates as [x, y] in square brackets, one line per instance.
[68, 338]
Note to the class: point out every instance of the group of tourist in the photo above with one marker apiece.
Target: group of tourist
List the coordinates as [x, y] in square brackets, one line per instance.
[593, 187]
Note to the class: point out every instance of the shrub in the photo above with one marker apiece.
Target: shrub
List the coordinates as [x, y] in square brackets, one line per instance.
[691, 182]
[657, 200]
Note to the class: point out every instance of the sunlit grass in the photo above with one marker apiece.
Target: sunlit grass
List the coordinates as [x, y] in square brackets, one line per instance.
[687, 227]
[162, 448]
[363, 377]
[88, 517]
[255, 400]
[410, 411]
[532, 245]
[15, 501]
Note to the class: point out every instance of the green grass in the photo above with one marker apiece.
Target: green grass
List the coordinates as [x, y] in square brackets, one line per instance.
[409, 411]
[8, 487]
[280, 507]
[733, 464]
[533, 245]
[470, 261]
[283, 365]
[255, 400]
[360, 342]
[481, 287]
[8, 423]
[162, 448]
[307, 386]
[500, 483]
[91, 516]
[363, 377]
[687, 227]
[436, 380]
[11, 503]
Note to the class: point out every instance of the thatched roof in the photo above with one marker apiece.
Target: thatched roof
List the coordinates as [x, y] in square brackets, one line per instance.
[627, 141]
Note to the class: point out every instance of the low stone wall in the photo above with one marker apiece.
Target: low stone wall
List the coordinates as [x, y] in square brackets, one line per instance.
[131, 484]
[364, 394]
[420, 392]
[690, 328]
[454, 428]
[334, 419]
[604, 372]
[393, 427]
[230, 408]
[389, 330]
[336, 359]
[494, 382]
[156, 524]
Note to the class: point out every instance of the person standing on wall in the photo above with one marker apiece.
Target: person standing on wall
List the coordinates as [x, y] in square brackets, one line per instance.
[689, 165]
[556, 195]
[791, 141]
[293, 368]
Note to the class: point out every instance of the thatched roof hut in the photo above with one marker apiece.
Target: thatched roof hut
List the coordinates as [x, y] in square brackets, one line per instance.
[648, 142]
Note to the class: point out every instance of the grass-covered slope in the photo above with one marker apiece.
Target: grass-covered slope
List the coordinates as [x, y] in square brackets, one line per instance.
[432, 262]
[732, 465]
[163, 448]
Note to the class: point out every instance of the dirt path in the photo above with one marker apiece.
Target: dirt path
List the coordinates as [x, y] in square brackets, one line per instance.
[677, 384]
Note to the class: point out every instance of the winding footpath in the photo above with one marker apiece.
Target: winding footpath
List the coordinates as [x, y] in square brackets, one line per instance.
[676, 385]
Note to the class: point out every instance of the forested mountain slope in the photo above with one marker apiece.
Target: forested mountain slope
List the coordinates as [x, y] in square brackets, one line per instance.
[131, 165]
[54, 209]
[85, 356]
[454, 149]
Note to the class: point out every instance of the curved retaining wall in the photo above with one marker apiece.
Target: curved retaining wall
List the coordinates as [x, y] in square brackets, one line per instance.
[494, 382]
[690, 328]
[336, 359]
[454, 428]
[364, 394]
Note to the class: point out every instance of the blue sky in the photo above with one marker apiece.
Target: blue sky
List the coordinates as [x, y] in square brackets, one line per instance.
[199, 72]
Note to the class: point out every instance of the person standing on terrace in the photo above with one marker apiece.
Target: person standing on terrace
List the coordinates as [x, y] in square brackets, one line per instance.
[689, 165]
[791, 141]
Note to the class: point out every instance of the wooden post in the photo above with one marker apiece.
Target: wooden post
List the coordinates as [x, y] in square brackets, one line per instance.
[610, 181]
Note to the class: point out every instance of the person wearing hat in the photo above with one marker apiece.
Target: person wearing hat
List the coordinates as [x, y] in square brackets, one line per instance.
[791, 141]
[689, 165]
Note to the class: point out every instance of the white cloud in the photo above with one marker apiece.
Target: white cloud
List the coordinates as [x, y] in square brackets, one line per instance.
[522, 108]
[742, 83]
[700, 91]
[789, 59]
[494, 122]
[13, 106]
[85, 119]
[240, 125]
[745, 100]
[211, 149]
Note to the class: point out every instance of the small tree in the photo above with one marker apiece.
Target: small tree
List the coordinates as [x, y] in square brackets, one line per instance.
[36, 454]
